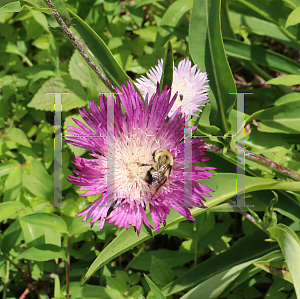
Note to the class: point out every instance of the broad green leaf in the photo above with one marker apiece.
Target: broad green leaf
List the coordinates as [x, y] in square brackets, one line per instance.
[51, 221]
[160, 272]
[207, 50]
[167, 75]
[279, 119]
[290, 246]
[241, 252]
[7, 167]
[278, 268]
[42, 101]
[13, 184]
[45, 252]
[156, 291]
[38, 181]
[261, 56]
[8, 209]
[112, 8]
[92, 291]
[172, 17]
[18, 136]
[11, 237]
[214, 286]
[285, 80]
[100, 51]
[225, 188]
[16, 7]
[294, 18]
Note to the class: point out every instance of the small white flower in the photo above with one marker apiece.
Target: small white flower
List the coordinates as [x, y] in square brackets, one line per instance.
[187, 81]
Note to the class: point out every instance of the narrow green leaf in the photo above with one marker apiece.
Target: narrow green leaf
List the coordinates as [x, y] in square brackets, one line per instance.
[283, 118]
[56, 287]
[278, 268]
[241, 252]
[54, 222]
[156, 291]
[214, 286]
[45, 252]
[18, 136]
[285, 80]
[225, 188]
[60, 7]
[172, 17]
[261, 56]
[167, 75]
[100, 51]
[207, 50]
[290, 246]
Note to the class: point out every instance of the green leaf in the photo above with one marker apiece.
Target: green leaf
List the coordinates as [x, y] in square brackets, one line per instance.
[167, 75]
[42, 101]
[100, 51]
[293, 18]
[51, 221]
[60, 7]
[225, 188]
[160, 272]
[8, 209]
[45, 252]
[39, 181]
[278, 268]
[279, 119]
[172, 17]
[290, 246]
[112, 8]
[285, 80]
[207, 50]
[156, 291]
[261, 56]
[214, 286]
[13, 184]
[18, 136]
[169, 257]
[7, 167]
[16, 7]
[241, 252]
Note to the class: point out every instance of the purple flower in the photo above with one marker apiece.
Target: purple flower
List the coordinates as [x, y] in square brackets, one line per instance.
[139, 135]
[187, 81]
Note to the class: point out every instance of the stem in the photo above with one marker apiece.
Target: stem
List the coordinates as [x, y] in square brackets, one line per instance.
[142, 247]
[6, 280]
[247, 216]
[75, 43]
[68, 268]
[258, 159]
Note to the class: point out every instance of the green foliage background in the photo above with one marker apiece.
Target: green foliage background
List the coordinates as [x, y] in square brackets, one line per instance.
[221, 254]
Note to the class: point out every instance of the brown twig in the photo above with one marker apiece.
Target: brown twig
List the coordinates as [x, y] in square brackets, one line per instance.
[247, 216]
[258, 159]
[75, 43]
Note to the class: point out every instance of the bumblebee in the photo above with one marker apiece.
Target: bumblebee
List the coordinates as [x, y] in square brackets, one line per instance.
[158, 174]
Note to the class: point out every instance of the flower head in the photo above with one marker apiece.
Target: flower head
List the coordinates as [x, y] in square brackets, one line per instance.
[139, 134]
[187, 81]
